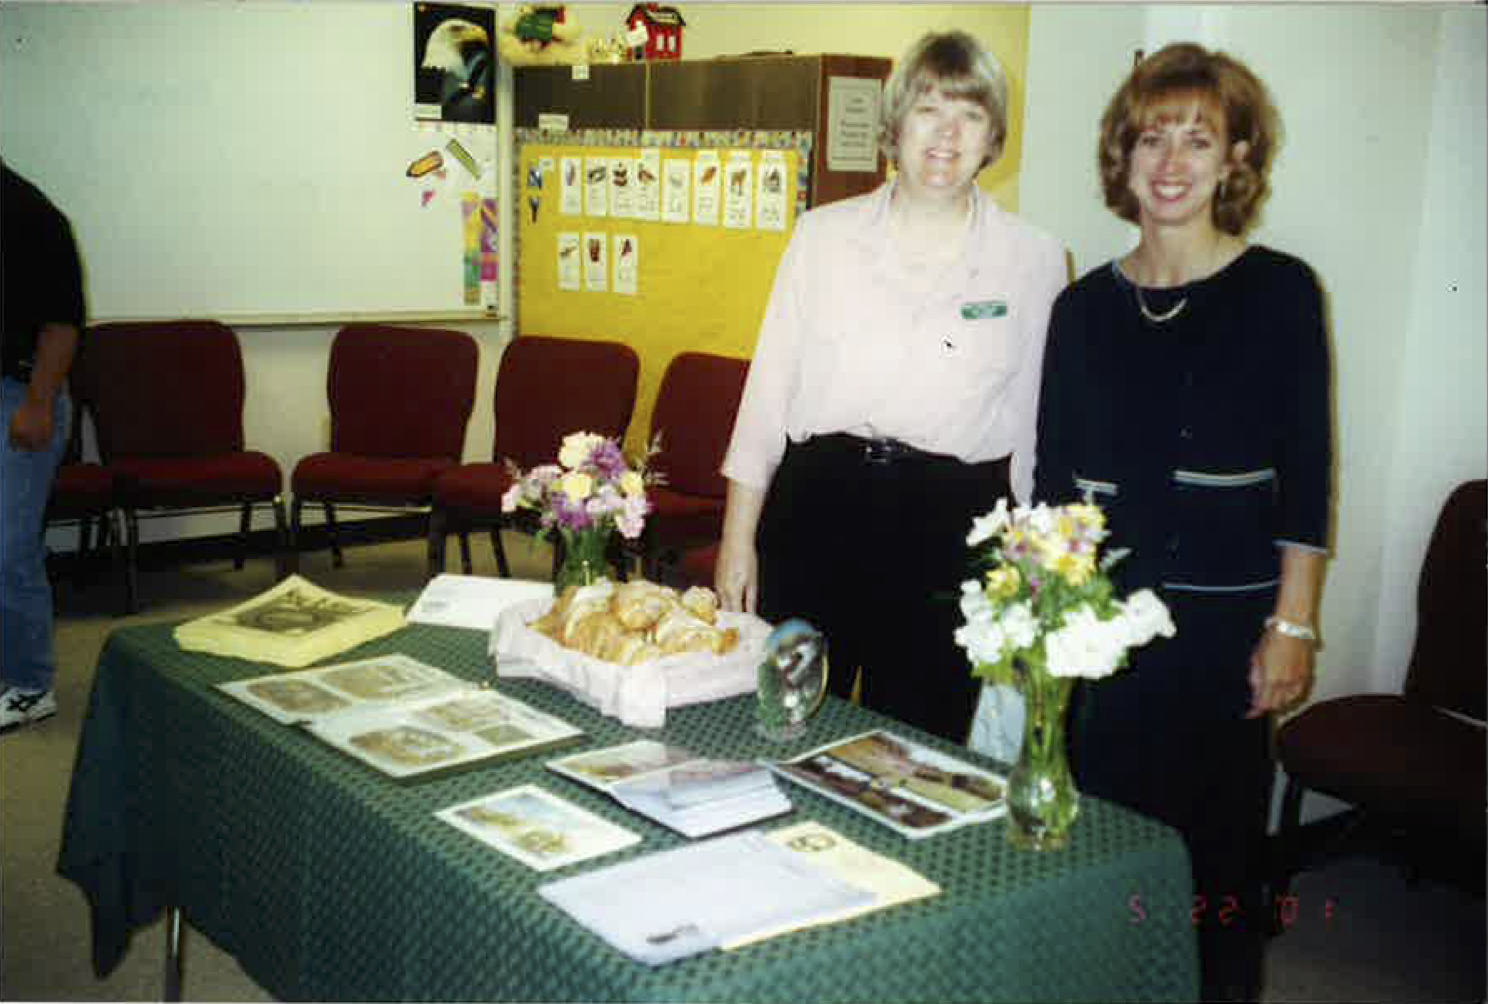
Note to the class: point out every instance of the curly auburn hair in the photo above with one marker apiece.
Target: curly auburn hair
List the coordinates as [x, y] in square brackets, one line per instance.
[1184, 72]
[958, 66]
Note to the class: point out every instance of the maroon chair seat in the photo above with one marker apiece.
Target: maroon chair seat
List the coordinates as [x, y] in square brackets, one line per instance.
[167, 404]
[546, 388]
[694, 415]
[185, 482]
[1413, 761]
[680, 518]
[80, 490]
[696, 566]
[400, 399]
[368, 480]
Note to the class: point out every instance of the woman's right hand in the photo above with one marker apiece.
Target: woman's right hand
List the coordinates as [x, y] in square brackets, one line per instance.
[736, 572]
[736, 576]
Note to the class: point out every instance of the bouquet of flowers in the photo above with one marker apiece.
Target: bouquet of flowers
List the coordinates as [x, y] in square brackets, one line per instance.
[1043, 613]
[590, 492]
[1045, 600]
[591, 487]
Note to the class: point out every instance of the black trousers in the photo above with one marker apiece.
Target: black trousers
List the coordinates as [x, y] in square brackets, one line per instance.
[866, 541]
[1168, 737]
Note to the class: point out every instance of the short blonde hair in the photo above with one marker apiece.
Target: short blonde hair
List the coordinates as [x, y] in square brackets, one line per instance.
[1183, 73]
[958, 66]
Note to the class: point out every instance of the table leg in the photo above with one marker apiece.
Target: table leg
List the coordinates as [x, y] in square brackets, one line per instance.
[172, 953]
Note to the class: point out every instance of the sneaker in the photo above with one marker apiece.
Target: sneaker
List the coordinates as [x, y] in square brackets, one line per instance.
[17, 707]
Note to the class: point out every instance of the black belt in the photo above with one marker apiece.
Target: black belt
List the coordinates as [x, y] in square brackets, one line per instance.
[881, 450]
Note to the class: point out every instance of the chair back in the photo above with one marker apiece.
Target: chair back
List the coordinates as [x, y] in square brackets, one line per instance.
[400, 392]
[547, 387]
[162, 388]
[694, 411]
[1449, 664]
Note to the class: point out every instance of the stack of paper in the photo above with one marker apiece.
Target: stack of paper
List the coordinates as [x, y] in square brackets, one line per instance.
[695, 796]
[293, 624]
[472, 601]
[677, 903]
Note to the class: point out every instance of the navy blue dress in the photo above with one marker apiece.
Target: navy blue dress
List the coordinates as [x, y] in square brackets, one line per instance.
[1207, 440]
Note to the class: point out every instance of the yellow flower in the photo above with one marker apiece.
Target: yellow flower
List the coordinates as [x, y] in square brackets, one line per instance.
[632, 484]
[1075, 569]
[576, 485]
[1002, 583]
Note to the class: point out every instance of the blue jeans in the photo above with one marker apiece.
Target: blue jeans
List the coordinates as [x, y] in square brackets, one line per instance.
[27, 659]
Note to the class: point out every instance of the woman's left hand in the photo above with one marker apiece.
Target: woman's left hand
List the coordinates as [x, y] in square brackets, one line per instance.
[1280, 673]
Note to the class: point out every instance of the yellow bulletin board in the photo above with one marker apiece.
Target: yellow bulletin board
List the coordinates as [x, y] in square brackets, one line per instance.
[699, 287]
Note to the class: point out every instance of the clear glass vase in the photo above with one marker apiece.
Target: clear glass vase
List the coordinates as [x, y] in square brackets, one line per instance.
[584, 558]
[1042, 799]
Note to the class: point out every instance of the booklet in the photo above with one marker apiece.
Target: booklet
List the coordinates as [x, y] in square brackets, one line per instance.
[537, 828]
[671, 904]
[891, 882]
[293, 624]
[472, 601]
[403, 717]
[696, 796]
[909, 787]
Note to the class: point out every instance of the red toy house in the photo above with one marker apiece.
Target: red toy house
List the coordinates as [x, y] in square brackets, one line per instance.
[663, 31]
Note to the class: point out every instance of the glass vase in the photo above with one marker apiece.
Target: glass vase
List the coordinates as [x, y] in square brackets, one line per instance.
[584, 558]
[1042, 799]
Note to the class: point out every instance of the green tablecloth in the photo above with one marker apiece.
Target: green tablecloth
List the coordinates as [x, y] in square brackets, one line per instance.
[329, 882]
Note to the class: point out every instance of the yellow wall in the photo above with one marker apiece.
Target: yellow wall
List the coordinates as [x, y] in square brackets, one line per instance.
[702, 288]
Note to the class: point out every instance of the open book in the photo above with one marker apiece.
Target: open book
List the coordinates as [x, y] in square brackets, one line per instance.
[693, 795]
[293, 624]
[908, 787]
[403, 717]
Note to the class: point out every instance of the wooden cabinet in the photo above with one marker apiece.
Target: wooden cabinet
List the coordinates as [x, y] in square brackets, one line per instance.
[744, 92]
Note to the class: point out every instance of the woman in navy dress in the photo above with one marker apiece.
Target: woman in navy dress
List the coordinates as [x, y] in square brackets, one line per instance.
[1186, 390]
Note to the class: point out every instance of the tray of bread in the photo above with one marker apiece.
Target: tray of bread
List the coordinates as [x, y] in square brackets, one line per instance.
[632, 649]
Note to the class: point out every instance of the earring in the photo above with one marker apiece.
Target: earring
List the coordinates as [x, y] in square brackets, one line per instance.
[1219, 190]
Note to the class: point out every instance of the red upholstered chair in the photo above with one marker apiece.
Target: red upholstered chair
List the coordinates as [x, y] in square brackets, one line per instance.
[546, 388]
[1411, 762]
[400, 400]
[694, 413]
[696, 565]
[83, 494]
[167, 405]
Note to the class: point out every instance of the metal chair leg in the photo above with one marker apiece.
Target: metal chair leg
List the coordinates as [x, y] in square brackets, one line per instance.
[173, 966]
[438, 531]
[330, 519]
[131, 561]
[245, 523]
[500, 552]
[282, 555]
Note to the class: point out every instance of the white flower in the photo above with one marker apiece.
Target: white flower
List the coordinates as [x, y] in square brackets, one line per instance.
[986, 527]
[1145, 616]
[1020, 625]
[1085, 645]
[512, 497]
[577, 446]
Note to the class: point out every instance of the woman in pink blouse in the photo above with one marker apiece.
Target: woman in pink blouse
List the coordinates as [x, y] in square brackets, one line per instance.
[893, 397]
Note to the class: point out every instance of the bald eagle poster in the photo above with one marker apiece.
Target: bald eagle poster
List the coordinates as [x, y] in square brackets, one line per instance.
[454, 63]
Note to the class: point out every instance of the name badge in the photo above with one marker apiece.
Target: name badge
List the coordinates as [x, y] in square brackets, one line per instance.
[983, 309]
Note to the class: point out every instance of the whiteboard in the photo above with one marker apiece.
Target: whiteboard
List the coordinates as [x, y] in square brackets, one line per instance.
[239, 160]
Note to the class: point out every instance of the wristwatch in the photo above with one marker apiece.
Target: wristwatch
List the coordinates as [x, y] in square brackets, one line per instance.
[1291, 629]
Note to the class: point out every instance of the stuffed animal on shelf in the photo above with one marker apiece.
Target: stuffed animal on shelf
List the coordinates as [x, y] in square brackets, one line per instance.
[542, 35]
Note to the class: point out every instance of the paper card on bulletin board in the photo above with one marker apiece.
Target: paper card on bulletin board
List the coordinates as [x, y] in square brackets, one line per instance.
[697, 287]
